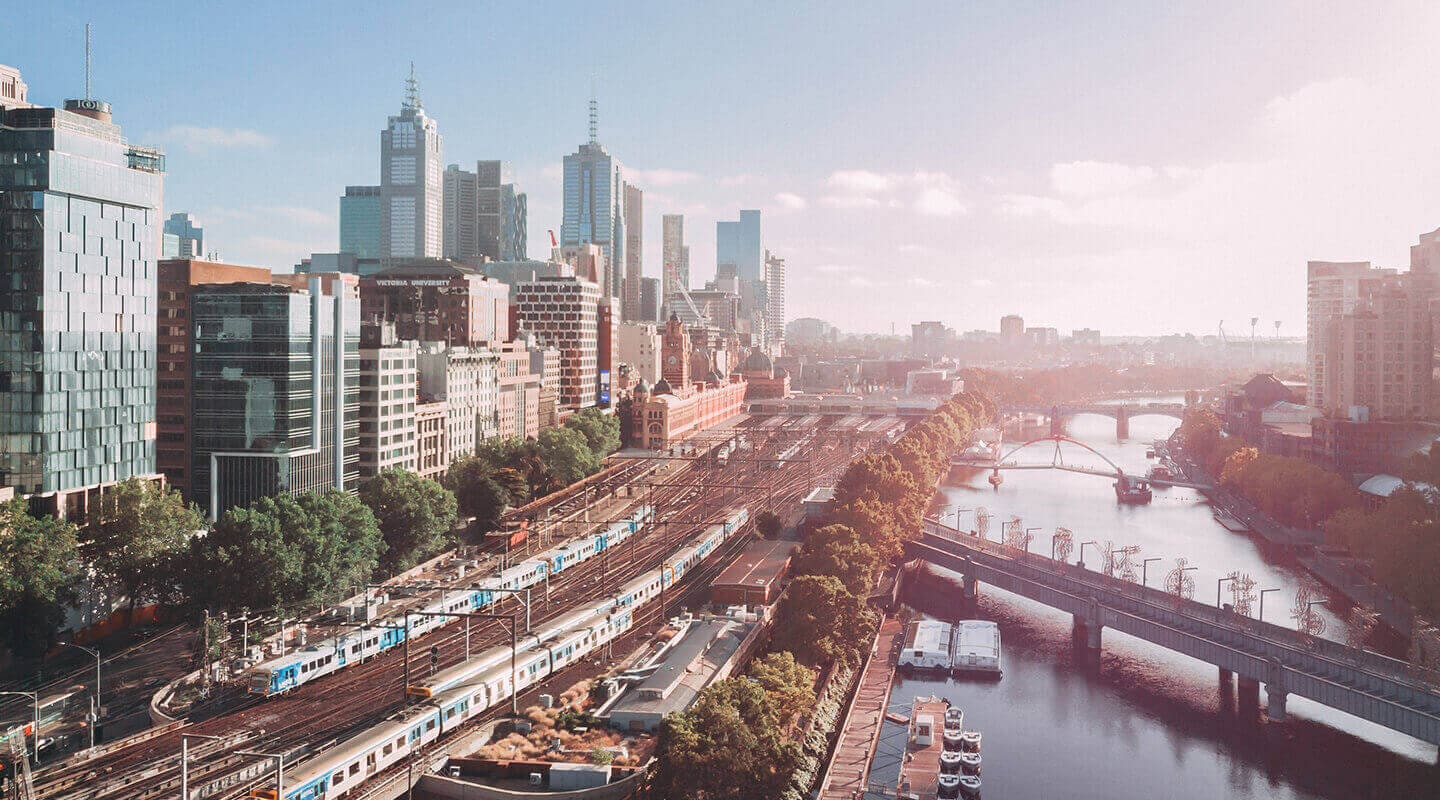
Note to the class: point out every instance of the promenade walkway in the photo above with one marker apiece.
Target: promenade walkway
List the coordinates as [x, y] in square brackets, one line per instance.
[849, 768]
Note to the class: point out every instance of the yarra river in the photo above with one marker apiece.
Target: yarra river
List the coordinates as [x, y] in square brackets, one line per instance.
[1150, 723]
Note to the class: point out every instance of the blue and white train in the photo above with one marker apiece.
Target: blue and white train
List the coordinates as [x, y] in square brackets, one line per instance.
[337, 652]
[463, 691]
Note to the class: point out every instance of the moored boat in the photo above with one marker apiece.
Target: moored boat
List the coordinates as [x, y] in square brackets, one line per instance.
[970, 763]
[970, 785]
[949, 786]
[970, 742]
[950, 762]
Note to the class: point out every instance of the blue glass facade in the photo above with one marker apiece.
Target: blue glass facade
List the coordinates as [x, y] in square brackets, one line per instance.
[360, 221]
[79, 233]
[594, 208]
[737, 243]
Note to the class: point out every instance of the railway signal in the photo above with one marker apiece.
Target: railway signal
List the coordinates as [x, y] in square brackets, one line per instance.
[434, 658]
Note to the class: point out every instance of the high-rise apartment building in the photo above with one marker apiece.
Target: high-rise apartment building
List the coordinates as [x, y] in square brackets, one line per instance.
[774, 302]
[634, 252]
[594, 205]
[563, 313]
[1377, 355]
[276, 377]
[737, 244]
[460, 231]
[411, 192]
[80, 216]
[184, 238]
[1012, 330]
[178, 280]
[638, 344]
[674, 254]
[360, 221]
[388, 380]
[1333, 289]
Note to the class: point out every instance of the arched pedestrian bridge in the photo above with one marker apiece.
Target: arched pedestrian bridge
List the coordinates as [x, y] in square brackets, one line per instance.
[1057, 461]
[1120, 412]
[1368, 685]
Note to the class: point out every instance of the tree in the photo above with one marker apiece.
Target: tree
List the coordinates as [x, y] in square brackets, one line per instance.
[769, 524]
[137, 538]
[789, 684]
[416, 516]
[727, 746]
[601, 430]
[838, 551]
[823, 621]
[478, 492]
[287, 550]
[39, 569]
[566, 454]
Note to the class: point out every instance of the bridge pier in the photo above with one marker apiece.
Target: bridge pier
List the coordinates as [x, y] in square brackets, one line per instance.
[1122, 423]
[1275, 693]
[1085, 634]
[1249, 697]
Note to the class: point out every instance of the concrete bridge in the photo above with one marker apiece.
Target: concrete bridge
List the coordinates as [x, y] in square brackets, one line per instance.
[1120, 412]
[1367, 685]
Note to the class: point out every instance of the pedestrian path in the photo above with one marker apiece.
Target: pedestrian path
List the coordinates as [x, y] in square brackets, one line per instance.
[850, 765]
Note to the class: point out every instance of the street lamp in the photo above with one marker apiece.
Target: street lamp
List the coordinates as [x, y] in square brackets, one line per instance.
[35, 698]
[1027, 538]
[279, 769]
[1262, 602]
[1218, 584]
[185, 760]
[96, 653]
[1081, 562]
[1145, 568]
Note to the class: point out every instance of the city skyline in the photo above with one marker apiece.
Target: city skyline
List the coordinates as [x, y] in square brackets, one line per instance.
[1197, 152]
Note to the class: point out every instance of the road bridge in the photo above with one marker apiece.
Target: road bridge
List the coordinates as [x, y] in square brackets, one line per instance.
[1368, 685]
[1120, 412]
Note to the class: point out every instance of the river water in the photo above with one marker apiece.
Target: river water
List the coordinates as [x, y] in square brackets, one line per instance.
[1150, 723]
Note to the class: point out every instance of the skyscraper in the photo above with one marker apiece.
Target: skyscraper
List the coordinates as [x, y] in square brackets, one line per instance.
[594, 205]
[360, 221]
[410, 181]
[460, 230]
[80, 209]
[674, 254]
[774, 302]
[514, 227]
[634, 249]
[1333, 289]
[276, 391]
[737, 244]
[189, 238]
[484, 216]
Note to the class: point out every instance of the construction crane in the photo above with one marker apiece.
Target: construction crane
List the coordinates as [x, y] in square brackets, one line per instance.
[1277, 330]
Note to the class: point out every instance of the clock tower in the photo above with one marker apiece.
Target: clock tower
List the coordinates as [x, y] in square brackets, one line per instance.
[675, 356]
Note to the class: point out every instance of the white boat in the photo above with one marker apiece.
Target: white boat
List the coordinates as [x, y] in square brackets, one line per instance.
[970, 785]
[970, 742]
[950, 762]
[952, 739]
[976, 647]
[970, 763]
[927, 645]
[954, 718]
[949, 785]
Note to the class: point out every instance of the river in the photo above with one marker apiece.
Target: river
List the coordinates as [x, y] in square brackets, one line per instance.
[1150, 723]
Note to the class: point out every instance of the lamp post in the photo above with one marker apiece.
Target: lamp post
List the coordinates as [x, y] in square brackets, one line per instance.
[1145, 568]
[1027, 538]
[279, 769]
[35, 698]
[96, 653]
[1218, 584]
[1262, 602]
[185, 760]
[1081, 562]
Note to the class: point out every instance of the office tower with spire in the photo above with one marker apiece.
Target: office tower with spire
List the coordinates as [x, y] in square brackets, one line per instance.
[410, 181]
[634, 250]
[80, 208]
[594, 204]
[674, 254]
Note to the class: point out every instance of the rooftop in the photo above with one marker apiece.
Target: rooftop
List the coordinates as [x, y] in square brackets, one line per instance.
[760, 564]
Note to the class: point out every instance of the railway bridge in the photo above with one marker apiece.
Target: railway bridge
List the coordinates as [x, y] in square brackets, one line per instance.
[1368, 685]
[1120, 412]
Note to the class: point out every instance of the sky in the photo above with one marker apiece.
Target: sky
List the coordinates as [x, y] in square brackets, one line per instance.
[1137, 167]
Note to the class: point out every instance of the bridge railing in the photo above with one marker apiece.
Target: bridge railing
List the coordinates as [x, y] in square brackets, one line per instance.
[1081, 581]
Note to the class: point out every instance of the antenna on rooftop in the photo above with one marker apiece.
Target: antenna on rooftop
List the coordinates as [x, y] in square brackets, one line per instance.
[594, 115]
[412, 89]
[87, 61]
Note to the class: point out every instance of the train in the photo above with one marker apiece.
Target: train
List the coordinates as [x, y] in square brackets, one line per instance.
[318, 659]
[455, 695]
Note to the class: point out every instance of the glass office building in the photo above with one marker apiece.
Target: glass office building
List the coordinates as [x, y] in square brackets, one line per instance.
[737, 244]
[79, 235]
[594, 208]
[360, 221]
[276, 392]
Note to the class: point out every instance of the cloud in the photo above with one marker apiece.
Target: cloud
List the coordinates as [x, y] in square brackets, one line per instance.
[742, 179]
[981, 283]
[1094, 178]
[860, 181]
[859, 282]
[835, 269]
[305, 216]
[922, 283]
[196, 138]
[791, 202]
[848, 201]
[660, 178]
[939, 203]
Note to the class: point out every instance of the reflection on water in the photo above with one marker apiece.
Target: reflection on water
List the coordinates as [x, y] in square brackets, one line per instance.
[1150, 723]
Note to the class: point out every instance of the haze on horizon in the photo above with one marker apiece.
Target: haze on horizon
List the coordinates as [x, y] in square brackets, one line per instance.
[1134, 167]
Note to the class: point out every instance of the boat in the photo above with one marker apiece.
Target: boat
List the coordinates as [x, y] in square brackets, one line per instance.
[954, 718]
[1150, 452]
[1132, 491]
[952, 739]
[976, 648]
[970, 763]
[1161, 472]
[970, 742]
[970, 785]
[950, 761]
[926, 647]
[949, 785]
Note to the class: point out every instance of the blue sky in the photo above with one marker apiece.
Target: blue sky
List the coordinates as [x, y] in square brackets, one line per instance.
[1136, 167]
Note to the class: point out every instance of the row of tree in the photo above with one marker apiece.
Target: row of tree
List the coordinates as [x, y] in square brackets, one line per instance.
[1073, 382]
[733, 743]
[144, 543]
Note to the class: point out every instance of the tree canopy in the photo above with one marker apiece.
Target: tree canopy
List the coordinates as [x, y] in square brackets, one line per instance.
[727, 746]
[137, 539]
[601, 430]
[416, 516]
[789, 684]
[39, 569]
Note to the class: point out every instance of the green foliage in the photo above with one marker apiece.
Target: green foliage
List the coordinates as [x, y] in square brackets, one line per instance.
[839, 551]
[789, 684]
[822, 621]
[769, 524]
[39, 569]
[601, 430]
[477, 491]
[1293, 491]
[1402, 540]
[727, 746]
[416, 516]
[567, 455]
[137, 539]
[284, 550]
[600, 756]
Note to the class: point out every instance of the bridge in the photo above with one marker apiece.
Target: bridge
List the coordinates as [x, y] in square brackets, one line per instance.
[1057, 461]
[1367, 685]
[1120, 412]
